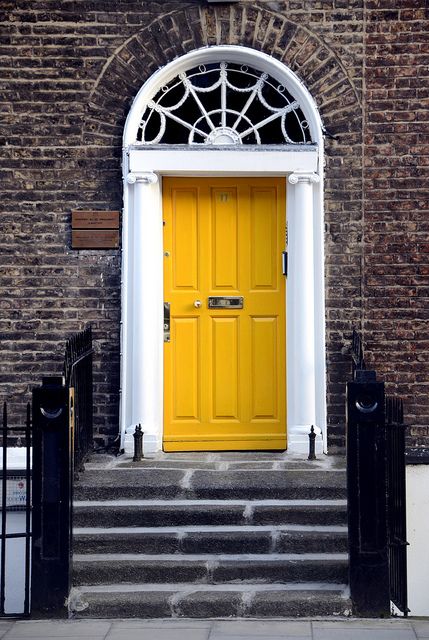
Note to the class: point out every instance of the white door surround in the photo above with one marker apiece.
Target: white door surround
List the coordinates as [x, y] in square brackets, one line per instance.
[142, 250]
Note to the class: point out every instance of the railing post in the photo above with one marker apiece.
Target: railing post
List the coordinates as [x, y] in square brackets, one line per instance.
[52, 497]
[138, 444]
[312, 444]
[367, 496]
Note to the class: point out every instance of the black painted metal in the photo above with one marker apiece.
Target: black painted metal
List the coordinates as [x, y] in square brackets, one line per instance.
[397, 503]
[312, 444]
[52, 497]
[28, 533]
[376, 492]
[138, 444]
[8, 476]
[78, 374]
[367, 497]
[357, 352]
[3, 511]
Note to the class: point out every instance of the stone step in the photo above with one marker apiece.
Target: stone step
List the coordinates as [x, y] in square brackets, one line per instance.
[212, 539]
[221, 465]
[105, 569]
[211, 535]
[210, 484]
[221, 460]
[150, 513]
[210, 601]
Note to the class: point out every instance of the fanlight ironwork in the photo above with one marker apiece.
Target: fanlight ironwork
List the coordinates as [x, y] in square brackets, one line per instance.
[223, 104]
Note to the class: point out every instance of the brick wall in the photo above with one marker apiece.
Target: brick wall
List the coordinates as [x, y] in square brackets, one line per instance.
[69, 72]
[396, 201]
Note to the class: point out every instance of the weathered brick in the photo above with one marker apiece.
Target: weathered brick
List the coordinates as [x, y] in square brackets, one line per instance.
[68, 74]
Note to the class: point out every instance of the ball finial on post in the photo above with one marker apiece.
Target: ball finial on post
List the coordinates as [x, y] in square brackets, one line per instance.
[138, 444]
[312, 443]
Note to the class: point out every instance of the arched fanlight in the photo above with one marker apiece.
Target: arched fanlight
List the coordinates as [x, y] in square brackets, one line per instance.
[223, 103]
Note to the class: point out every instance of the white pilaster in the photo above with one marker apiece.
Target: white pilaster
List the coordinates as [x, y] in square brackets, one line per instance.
[300, 309]
[144, 300]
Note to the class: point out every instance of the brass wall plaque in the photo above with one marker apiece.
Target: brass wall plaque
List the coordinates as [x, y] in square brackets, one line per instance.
[95, 238]
[95, 219]
[95, 229]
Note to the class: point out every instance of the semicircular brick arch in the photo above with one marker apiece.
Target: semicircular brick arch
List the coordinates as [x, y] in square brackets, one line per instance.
[183, 30]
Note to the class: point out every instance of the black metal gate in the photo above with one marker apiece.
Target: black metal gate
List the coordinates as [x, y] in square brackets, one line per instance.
[37, 487]
[15, 570]
[78, 375]
[376, 493]
[397, 526]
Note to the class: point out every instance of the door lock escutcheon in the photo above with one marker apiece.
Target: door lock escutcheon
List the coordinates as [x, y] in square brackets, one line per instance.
[166, 322]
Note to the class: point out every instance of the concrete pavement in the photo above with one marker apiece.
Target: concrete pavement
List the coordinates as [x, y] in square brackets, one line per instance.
[139, 629]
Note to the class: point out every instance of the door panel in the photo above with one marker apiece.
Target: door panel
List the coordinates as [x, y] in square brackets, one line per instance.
[224, 368]
[186, 389]
[225, 239]
[264, 241]
[185, 246]
[264, 368]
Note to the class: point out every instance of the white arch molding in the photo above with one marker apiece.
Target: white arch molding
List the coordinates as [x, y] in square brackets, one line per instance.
[142, 250]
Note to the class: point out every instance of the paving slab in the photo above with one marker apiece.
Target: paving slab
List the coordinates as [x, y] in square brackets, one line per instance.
[227, 636]
[55, 637]
[162, 623]
[93, 629]
[421, 628]
[257, 629]
[237, 629]
[363, 630]
[158, 633]
[5, 625]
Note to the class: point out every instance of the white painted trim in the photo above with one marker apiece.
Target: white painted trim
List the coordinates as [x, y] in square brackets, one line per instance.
[227, 53]
[220, 162]
[142, 336]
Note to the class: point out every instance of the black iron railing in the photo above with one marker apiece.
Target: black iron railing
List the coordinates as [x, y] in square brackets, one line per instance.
[16, 531]
[376, 492]
[397, 525]
[78, 375]
[52, 497]
[358, 361]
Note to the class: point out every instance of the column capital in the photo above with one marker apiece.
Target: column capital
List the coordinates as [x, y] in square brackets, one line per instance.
[146, 177]
[299, 177]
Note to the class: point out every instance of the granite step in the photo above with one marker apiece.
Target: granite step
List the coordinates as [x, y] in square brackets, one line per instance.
[209, 484]
[91, 569]
[211, 535]
[153, 513]
[210, 601]
[261, 539]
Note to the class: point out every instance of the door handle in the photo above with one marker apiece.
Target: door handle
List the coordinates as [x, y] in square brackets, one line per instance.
[166, 322]
[197, 304]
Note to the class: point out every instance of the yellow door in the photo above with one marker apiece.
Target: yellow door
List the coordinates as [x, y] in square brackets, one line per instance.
[224, 366]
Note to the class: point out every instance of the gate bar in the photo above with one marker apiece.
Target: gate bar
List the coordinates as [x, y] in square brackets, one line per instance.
[3, 507]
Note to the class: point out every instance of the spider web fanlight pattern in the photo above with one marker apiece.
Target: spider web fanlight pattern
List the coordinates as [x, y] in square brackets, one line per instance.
[223, 104]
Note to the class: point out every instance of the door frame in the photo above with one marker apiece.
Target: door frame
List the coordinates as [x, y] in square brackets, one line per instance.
[142, 253]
